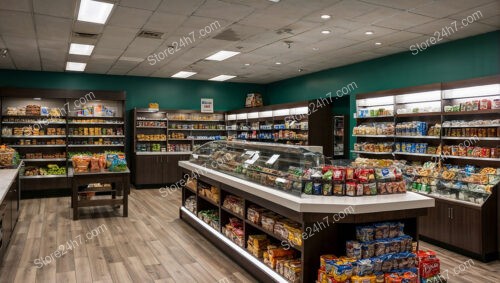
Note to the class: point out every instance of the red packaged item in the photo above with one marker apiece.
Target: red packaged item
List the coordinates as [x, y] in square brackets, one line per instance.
[364, 175]
[349, 173]
[350, 188]
[338, 174]
[393, 278]
[485, 104]
[428, 264]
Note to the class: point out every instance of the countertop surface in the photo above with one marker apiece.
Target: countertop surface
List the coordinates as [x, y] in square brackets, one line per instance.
[318, 204]
[7, 177]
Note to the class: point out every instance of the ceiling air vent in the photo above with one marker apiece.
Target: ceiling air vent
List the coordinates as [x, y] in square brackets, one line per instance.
[228, 35]
[150, 34]
[85, 35]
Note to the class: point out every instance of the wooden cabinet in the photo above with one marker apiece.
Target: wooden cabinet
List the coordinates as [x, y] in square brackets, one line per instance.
[158, 169]
[9, 212]
[468, 229]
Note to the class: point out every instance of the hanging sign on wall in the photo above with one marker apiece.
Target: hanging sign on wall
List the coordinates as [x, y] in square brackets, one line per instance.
[207, 105]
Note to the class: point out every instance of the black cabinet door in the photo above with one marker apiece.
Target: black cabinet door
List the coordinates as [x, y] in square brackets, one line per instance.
[148, 170]
[170, 169]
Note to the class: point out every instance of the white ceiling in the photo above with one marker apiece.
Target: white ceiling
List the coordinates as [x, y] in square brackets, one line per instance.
[37, 34]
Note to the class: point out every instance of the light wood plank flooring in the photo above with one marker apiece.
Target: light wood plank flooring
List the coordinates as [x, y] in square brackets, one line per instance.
[151, 245]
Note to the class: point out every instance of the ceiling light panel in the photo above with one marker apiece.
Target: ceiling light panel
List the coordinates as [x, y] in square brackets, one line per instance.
[94, 11]
[183, 74]
[75, 66]
[222, 78]
[81, 49]
[222, 55]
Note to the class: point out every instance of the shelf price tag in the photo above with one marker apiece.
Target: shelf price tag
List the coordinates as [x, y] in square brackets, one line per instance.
[195, 156]
[253, 159]
[273, 159]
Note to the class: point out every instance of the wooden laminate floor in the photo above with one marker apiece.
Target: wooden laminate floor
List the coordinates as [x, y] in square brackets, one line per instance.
[151, 245]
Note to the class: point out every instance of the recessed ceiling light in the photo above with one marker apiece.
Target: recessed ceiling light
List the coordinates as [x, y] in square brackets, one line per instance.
[325, 31]
[315, 48]
[221, 78]
[378, 43]
[222, 55]
[275, 1]
[183, 74]
[81, 49]
[94, 11]
[247, 64]
[75, 66]
[369, 32]
[278, 63]
[326, 17]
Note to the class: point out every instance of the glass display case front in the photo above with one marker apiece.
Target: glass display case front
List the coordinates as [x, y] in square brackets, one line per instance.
[274, 165]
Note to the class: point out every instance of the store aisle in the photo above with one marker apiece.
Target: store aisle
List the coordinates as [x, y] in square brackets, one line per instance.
[151, 245]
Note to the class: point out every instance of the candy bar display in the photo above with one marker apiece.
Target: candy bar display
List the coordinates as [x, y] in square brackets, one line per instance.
[211, 217]
[40, 142]
[31, 131]
[374, 129]
[234, 204]
[234, 231]
[195, 126]
[152, 124]
[414, 147]
[355, 181]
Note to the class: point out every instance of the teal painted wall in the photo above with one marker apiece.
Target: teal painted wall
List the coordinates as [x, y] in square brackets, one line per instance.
[169, 93]
[471, 57]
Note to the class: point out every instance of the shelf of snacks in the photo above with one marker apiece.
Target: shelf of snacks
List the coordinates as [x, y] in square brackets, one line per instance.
[43, 159]
[50, 171]
[107, 162]
[96, 145]
[371, 152]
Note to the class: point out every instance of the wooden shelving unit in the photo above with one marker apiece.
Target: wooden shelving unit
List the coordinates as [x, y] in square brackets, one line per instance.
[463, 226]
[178, 132]
[70, 104]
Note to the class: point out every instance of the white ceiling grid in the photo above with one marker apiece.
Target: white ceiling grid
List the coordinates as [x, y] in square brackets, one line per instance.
[38, 33]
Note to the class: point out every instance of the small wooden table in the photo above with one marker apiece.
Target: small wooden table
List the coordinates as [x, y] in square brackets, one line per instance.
[120, 185]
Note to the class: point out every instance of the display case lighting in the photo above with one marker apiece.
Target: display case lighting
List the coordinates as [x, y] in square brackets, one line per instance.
[281, 112]
[434, 95]
[299, 110]
[231, 117]
[376, 101]
[241, 116]
[266, 114]
[473, 91]
[253, 115]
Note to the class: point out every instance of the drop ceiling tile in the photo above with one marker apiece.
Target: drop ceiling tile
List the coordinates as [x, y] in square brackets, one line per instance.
[470, 30]
[78, 58]
[141, 4]
[360, 33]
[400, 4]
[403, 20]
[99, 66]
[349, 9]
[53, 67]
[185, 7]
[16, 5]
[13, 23]
[52, 28]
[492, 21]
[141, 71]
[386, 50]
[331, 44]
[420, 41]
[267, 20]
[25, 60]
[129, 17]
[6, 63]
[117, 37]
[344, 24]
[397, 37]
[445, 8]
[431, 27]
[2, 44]
[56, 8]
[481, 12]
[164, 22]
[106, 53]
[142, 47]
[376, 15]
[232, 12]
